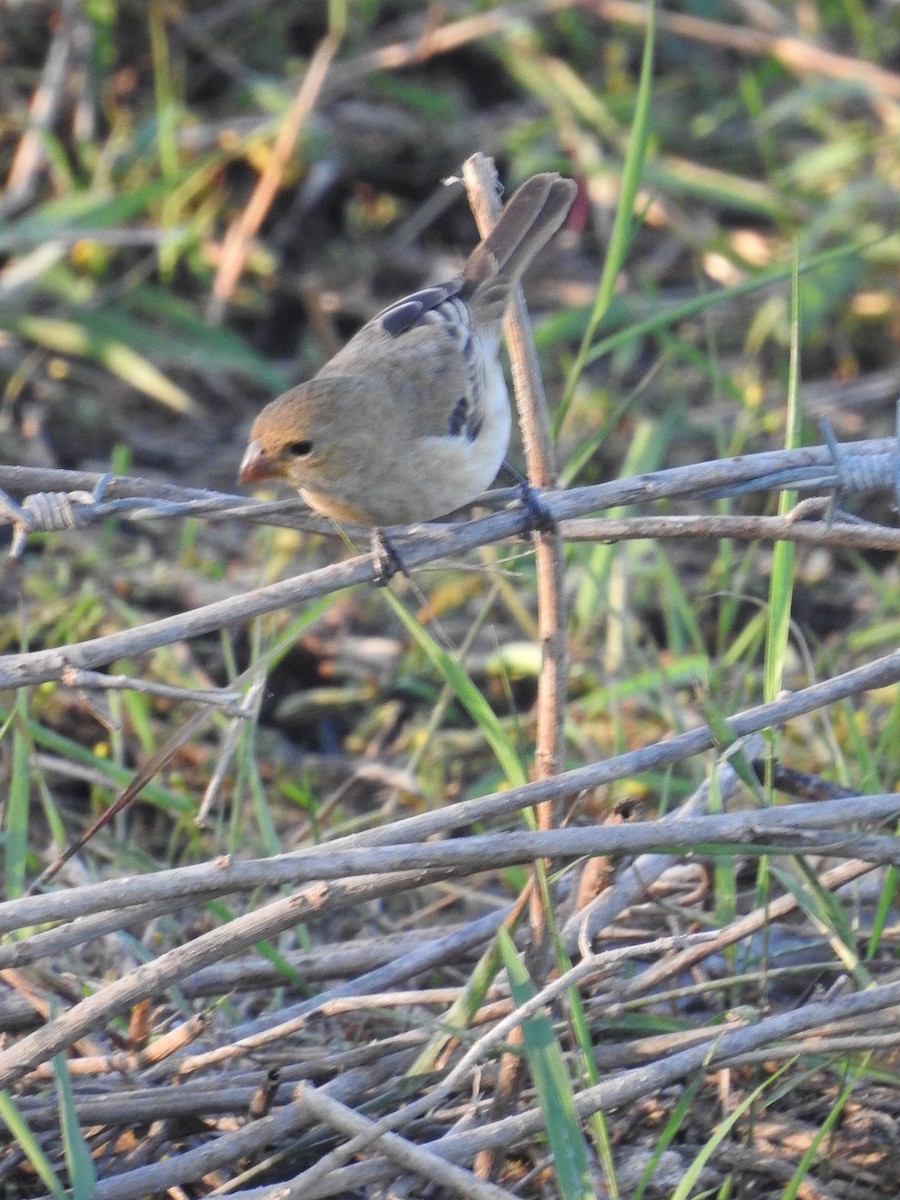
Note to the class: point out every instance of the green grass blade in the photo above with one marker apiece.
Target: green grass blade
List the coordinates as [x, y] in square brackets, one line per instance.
[673, 314]
[462, 1012]
[676, 1118]
[119, 777]
[800, 1176]
[161, 325]
[681, 672]
[644, 454]
[581, 1031]
[826, 914]
[781, 588]
[16, 840]
[548, 1070]
[719, 1133]
[81, 213]
[82, 1175]
[467, 693]
[883, 912]
[24, 1138]
[167, 103]
[623, 225]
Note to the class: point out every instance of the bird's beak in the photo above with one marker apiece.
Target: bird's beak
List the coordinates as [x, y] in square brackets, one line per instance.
[256, 464]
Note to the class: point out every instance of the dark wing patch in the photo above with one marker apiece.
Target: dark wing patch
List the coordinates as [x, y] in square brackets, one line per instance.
[457, 422]
[465, 419]
[399, 317]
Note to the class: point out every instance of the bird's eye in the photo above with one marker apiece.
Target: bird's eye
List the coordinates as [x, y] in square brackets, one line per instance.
[300, 449]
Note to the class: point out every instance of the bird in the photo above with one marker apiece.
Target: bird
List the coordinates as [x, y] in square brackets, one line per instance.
[411, 419]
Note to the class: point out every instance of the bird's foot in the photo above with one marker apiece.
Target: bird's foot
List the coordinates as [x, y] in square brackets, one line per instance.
[387, 559]
[539, 515]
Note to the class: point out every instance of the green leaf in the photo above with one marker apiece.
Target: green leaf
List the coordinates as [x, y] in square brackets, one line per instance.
[468, 695]
[82, 1175]
[24, 1138]
[554, 1090]
[624, 223]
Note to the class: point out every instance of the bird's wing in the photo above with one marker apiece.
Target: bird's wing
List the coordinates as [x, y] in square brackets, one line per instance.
[400, 316]
[429, 359]
[448, 399]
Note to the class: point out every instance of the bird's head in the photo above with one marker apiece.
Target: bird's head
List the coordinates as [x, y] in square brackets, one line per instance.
[302, 436]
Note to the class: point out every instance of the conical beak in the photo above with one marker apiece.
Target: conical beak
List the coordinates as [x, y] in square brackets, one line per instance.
[256, 464]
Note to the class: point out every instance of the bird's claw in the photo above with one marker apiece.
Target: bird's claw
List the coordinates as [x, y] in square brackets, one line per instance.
[387, 559]
[540, 517]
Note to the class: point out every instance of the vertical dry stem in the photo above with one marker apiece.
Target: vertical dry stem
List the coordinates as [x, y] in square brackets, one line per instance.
[480, 177]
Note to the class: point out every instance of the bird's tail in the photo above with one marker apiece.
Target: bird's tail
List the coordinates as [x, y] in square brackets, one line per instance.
[534, 213]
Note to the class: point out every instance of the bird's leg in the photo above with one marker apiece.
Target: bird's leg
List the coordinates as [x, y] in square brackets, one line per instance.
[388, 560]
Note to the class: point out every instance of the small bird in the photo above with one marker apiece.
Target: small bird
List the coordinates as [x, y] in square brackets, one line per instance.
[411, 420]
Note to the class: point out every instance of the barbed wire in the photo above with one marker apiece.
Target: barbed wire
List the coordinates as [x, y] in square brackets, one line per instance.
[57, 501]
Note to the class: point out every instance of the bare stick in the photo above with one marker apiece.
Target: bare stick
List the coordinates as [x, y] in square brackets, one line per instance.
[481, 182]
[482, 186]
[412, 1158]
[799, 827]
[863, 534]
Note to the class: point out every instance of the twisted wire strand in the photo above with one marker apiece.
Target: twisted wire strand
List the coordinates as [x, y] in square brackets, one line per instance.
[864, 473]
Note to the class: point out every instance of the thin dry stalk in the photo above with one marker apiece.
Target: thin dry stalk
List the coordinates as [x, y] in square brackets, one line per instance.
[49, 96]
[239, 237]
[482, 185]
[365, 1133]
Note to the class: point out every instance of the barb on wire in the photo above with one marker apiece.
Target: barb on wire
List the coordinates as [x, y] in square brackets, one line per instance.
[869, 473]
[848, 473]
[80, 499]
[55, 512]
[50, 512]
